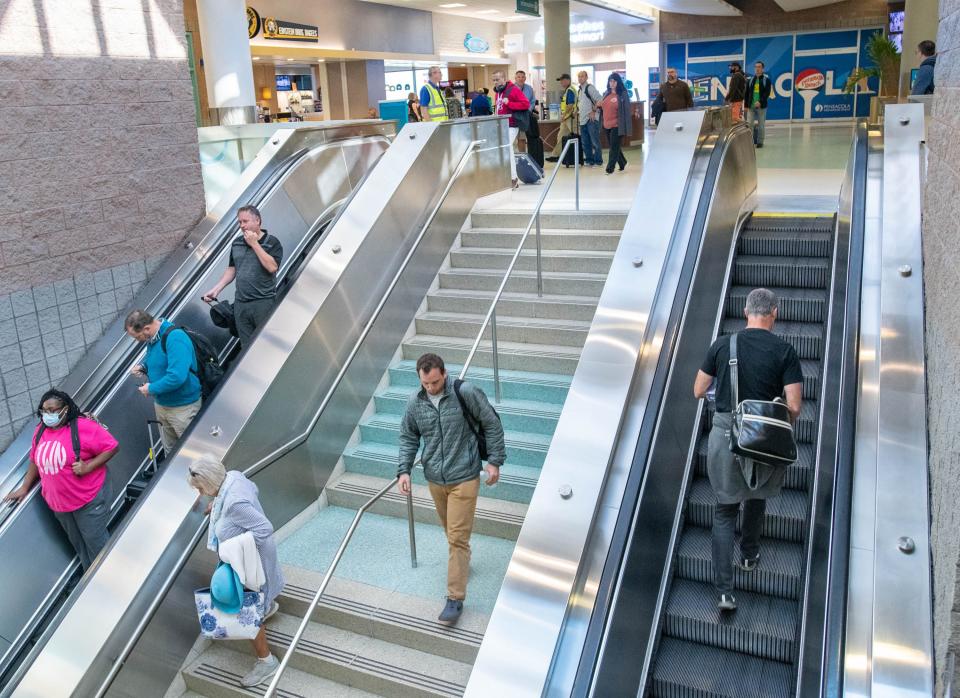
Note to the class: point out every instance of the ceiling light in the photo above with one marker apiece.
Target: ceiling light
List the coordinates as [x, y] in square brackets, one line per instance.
[289, 60]
[320, 60]
[451, 5]
[463, 65]
[256, 58]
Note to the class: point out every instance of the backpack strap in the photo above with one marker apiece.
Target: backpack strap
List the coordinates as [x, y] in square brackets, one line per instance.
[734, 377]
[163, 343]
[163, 337]
[75, 438]
[472, 422]
[36, 439]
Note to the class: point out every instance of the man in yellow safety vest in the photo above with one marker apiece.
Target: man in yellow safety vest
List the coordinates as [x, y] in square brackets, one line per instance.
[568, 115]
[433, 107]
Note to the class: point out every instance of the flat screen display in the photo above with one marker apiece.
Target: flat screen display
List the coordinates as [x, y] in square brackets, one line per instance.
[284, 83]
[896, 21]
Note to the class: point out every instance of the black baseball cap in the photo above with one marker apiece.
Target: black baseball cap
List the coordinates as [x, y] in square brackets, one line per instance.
[565, 76]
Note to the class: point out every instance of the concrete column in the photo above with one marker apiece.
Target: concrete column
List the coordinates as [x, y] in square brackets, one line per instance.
[920, 22]
[556, 44]
[226, 59]
[376, 84]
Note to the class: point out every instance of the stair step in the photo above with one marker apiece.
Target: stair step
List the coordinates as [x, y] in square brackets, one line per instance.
[216, 673]
[516, 483]
[778, 574]
[527, 305]
[516, 415]
[795, 304]
[798, 474]
[568, 333]
[494, 517]
[554, 283]
[515, 385]
[584, 240]
[553, 220]
[550, 260]
[805, 337]
[791, 224]
[785, 517]
[800, 272]
[690, 670]
[512, 355]
[762, 626]
[387, 615]
[785, 243]
[367, 663]
[804, 429]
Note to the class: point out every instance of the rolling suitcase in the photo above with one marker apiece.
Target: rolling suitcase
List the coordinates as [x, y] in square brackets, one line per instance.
[528, 171]
[534, 143]
[569, 155]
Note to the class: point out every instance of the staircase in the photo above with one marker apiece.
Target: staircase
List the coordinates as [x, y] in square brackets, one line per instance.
[703, 653]
[375, 631]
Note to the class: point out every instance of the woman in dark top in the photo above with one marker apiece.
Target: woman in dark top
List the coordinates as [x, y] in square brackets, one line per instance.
[413, 108]
[480, 104]
[454, 107]
[616, 119]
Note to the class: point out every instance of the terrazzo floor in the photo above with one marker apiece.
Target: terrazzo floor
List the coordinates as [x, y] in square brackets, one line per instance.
[379, 555]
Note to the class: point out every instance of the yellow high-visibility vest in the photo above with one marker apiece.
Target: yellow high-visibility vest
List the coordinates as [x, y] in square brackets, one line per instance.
[565, 108]
[437, 109]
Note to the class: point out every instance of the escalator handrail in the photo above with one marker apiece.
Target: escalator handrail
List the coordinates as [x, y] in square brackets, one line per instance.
[819, 659]
[262, 463]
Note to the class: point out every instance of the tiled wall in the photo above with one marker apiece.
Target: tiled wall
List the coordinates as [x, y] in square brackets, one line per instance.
[941, 276]
[99, 173]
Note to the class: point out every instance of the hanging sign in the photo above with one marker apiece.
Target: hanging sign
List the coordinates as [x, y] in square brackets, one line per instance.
[253, 22]
[289, 31]
[528, 7]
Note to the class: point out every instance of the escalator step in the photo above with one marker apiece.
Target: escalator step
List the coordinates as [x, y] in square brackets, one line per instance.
[785, 244]
[785, 518]
[778, 574]
[798, 474]
[689, 670]
[762, 626]
[796, 304]
[800, 272]
[806, 337]
[795, 224]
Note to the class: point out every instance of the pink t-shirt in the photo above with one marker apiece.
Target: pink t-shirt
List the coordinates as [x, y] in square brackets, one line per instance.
[609, 106]
[54, 457]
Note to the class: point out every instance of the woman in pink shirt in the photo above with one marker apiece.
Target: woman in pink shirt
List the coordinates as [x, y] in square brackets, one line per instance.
[72, 484]
[617, 119]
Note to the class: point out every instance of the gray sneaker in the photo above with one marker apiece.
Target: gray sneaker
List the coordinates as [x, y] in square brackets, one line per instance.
[727, 602]
[451, 612]
[262, 670]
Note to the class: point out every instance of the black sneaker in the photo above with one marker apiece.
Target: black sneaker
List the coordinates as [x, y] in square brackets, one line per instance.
[552, 159]
[727, 602]
[451, 612]
[749, 564]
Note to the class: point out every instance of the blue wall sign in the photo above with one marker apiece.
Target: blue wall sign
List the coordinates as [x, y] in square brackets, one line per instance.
[474, 44]
[808, 71]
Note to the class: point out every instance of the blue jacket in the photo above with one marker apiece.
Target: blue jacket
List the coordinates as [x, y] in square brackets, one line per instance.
[172, 375]
[924, 82]
[480, 106]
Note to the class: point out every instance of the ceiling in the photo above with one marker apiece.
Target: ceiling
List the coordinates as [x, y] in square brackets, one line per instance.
[505, 10]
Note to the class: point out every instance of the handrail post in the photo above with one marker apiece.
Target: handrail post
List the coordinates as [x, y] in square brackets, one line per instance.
[496, 360]
[539, 261]
[413, 533]
[576, 172]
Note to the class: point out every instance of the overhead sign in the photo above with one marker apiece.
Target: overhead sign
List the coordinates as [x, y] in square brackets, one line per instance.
[585, 32]
[513, 43]
[528, 7]
[474, 44]
[289, 31]
[253, 22]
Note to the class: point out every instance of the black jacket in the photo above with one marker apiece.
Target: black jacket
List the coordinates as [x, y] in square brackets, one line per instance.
[765, 87]
[737, 91]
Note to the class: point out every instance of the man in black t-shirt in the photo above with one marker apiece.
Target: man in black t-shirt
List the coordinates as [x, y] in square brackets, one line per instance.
[254, 260]
[768, 368]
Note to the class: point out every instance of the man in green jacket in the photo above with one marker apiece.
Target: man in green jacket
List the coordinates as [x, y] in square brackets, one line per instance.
[451, 462]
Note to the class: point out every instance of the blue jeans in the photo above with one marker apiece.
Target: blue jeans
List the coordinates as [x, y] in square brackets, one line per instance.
[590, 140]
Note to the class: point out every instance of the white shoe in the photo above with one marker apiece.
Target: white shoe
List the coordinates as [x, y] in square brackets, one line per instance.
[273, 609]
[262, 670]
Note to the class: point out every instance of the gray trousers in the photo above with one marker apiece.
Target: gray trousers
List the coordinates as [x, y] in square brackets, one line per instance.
[249, 315]
[86, 527]
[758, 115]
[724, 531]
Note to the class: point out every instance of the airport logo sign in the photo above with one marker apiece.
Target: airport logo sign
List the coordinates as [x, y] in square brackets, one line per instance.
[474, 44]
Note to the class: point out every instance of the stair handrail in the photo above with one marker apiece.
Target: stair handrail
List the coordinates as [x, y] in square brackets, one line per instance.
[491, 317]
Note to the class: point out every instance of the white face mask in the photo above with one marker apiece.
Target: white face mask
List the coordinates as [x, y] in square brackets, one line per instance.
[50, 419]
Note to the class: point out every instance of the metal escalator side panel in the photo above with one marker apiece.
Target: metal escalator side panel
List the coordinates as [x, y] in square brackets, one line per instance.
[300, 344]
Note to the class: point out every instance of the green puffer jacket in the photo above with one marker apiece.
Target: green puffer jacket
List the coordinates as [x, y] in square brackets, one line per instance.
[450, 452]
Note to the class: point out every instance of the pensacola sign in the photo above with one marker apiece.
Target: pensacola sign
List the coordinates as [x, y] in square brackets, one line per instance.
[808, 71]
[280, 29]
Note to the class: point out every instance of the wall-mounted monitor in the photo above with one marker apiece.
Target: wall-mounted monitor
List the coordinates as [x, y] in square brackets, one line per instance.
[896, 21]
[284, 83]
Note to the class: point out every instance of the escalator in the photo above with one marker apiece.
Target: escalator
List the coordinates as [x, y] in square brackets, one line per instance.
[298, 181]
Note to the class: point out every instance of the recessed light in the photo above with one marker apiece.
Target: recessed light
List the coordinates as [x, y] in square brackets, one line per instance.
[321, 60]
[463, 65]
[451, 5]
[256, 58]
[289, 60]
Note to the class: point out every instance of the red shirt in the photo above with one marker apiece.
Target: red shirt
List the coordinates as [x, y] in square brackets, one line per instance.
[610, 108]
[54, 458]
[511, 100]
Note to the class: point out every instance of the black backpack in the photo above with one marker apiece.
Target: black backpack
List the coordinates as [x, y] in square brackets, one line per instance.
[209, 371]
[474, 424]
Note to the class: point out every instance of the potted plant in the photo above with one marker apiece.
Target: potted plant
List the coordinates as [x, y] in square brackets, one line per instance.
[886, 68]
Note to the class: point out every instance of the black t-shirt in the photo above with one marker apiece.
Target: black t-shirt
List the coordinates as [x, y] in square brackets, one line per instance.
[253, 281]
[765, 365]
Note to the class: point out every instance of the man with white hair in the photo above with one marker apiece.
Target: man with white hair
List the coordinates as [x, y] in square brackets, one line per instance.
[768, 368]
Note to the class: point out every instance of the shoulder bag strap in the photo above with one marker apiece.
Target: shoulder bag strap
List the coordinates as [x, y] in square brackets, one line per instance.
[75, 438]
[734, 377]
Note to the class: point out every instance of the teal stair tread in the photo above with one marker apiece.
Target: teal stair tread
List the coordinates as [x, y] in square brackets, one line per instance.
[572, 254]
[506, 321]
[599, 232]
[379, 556]
[514, 439]
[388, 455]
[551, 379]
[487, 296]
[520, 407]
[525, 348]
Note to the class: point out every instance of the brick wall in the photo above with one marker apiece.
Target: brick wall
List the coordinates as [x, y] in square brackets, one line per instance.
[941, 245]
[99, 174]
[767, 17]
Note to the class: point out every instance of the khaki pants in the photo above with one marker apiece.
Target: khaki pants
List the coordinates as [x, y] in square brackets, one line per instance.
[566, 129]
[174, 421]
[456, 505]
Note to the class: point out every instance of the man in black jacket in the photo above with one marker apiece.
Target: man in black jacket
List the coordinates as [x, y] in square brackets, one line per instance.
[736, 91]
[758, 92]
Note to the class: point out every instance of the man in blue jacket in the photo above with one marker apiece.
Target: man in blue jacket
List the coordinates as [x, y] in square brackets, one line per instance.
[172, 373]
[927, 53]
